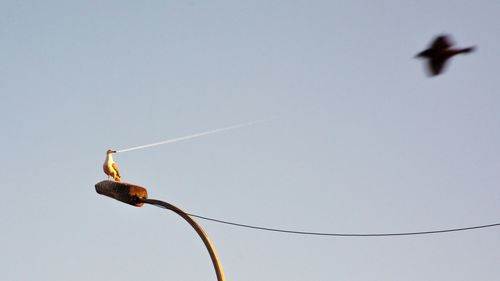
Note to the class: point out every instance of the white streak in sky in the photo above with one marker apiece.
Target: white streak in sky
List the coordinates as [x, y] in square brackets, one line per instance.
[191, 136]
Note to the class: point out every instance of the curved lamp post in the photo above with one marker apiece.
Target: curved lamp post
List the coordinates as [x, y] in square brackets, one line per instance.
[137, 196]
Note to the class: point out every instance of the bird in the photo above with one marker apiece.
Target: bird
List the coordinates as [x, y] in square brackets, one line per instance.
[439, 52]
[110, 167]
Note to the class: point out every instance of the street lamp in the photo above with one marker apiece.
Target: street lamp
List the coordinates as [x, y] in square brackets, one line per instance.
[137, 196]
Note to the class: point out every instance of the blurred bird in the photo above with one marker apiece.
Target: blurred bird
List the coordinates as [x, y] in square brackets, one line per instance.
[110, 167]
[439, 52]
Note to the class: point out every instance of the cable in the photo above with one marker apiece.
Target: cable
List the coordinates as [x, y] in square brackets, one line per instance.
[347, 234]
[156, 203]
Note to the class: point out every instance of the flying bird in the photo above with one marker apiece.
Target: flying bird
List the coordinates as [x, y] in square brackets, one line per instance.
[110, 167]
[439, 52]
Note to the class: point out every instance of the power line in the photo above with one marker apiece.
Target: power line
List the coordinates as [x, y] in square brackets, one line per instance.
[155, 203]
[347, 234]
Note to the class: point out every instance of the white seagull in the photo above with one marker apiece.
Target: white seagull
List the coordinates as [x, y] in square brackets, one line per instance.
[110, 167]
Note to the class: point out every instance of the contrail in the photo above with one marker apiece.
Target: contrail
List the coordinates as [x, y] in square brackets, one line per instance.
[191, 136]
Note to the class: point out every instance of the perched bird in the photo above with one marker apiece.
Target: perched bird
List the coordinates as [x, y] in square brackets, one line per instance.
[110, 167]
[439, 52]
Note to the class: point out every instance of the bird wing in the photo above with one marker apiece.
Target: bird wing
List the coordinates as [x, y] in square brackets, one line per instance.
[442, 42]
[436, 65]
[115, 167]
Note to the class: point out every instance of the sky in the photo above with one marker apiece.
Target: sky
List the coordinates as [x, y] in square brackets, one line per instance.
[358, 139]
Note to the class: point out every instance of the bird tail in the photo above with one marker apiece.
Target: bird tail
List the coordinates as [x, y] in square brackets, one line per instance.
[468, 50]
[117, 177]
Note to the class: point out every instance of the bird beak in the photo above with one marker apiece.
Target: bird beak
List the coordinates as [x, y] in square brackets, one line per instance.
[113, 151]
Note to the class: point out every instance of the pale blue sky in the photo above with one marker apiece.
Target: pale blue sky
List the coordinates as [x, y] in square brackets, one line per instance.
[363, 141]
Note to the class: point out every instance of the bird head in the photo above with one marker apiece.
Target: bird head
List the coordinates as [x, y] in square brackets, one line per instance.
[423, 54]
[110, 151]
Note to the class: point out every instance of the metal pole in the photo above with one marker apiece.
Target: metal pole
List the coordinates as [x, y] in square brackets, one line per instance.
[137, 196]
[210, 247]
